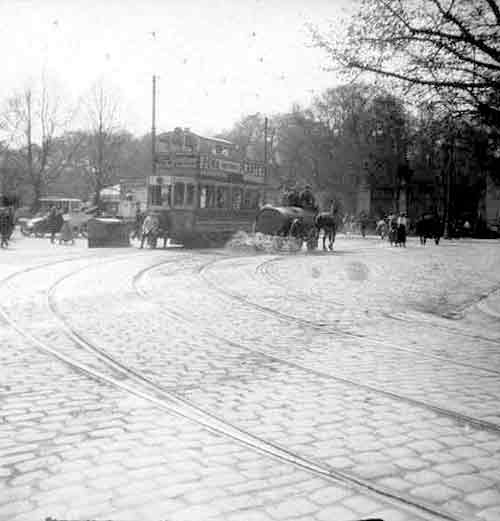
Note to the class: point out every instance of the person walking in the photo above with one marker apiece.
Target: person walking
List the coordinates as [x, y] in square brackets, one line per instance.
[66, 234]
[149, 230]
[363, 223]
[139, 218]
[401, 229]
[52, 223]
[5, 226]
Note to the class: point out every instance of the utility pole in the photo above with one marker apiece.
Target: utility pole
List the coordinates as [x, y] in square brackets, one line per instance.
[265, 149]
[153, 129]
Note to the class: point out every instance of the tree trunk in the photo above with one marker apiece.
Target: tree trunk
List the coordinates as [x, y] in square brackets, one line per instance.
[37, 190]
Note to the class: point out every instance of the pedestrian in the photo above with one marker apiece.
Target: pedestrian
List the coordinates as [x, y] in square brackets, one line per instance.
[139, 218]
[149, 229]
[402, 223]
[307, 199]
[66, 234]
[5, 226]
[363, 223]
[52, 223]
[293, 197]
[381, 228]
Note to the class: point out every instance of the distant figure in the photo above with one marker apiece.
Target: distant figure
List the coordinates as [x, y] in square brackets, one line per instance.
[381, 228]
[363, 223]
[53, 223]
[291, 197]
[149, 231]
[392, 233]
[163, 228]
[402, 223]
[307, 200]
[5, 226]
[139, 218]
[66, 234]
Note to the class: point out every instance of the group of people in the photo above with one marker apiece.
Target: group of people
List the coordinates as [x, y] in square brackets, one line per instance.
[56, 223]
[150, 227]
[351, 223]
[304, 199]
[395, 227]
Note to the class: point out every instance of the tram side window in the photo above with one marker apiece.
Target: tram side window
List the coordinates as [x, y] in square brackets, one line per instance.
[179, 194]
[207, 196]
[210, 196]
[256, 201]
[237, 198]
[203, 197]
[247, 199]
[155, 195]
[189, 194]
[166, 195]
[252, 199]
[222, 197]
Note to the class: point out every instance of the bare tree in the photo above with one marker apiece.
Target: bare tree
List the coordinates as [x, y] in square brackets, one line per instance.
[31, 123]
[444, 49]
[104, 138]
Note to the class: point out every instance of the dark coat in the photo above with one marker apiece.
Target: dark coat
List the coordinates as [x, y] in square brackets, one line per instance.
[5, 223]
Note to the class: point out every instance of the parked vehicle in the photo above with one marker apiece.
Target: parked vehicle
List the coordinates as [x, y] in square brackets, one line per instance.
[72, 209]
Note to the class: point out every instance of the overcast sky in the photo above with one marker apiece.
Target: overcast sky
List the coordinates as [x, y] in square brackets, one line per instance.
[216, 59]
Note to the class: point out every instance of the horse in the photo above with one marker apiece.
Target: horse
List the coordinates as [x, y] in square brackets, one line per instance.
[429, 227]
[327, 222]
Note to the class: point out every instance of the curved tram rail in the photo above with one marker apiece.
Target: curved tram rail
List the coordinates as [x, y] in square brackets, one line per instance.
[461, 418]
[331, 329]
[118, 375]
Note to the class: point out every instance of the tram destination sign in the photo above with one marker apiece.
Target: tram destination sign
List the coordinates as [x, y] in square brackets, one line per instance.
[178, 161]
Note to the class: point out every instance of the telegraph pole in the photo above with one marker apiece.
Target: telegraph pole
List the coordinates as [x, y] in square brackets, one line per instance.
[265, 149]
[153, 129]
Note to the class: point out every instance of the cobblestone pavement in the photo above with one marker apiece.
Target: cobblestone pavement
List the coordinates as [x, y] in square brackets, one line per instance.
[335, 358]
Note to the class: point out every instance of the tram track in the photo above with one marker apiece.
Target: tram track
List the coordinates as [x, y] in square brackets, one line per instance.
[135, 383]
[476, 302]
[331, 329]
[461, 418]
[455, 415]
[306, 297]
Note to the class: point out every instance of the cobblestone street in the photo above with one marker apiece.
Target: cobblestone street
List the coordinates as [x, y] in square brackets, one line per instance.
[228, 384]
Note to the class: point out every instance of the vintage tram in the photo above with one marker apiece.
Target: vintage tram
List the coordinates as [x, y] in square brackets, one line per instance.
[203, 189]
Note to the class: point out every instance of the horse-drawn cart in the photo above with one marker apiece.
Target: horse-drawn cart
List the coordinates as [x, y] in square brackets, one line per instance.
[288, 225]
